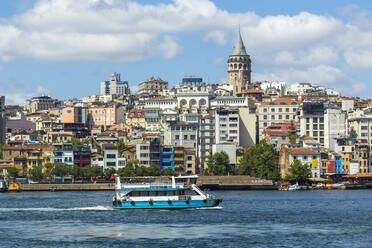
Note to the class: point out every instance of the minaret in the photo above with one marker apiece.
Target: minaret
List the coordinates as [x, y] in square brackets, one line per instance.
[239, 67]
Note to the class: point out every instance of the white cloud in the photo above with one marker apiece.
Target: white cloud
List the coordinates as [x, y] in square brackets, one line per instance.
[298, 47]
[359, 59]
[16, 93]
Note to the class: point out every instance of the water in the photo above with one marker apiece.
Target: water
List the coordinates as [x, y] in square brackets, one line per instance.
[245, 219]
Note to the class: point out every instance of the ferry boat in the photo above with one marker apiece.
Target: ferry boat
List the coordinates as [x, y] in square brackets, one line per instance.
[181, 193]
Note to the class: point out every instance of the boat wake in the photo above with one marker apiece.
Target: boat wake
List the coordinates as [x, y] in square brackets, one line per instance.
[217, 207]
[95, 208]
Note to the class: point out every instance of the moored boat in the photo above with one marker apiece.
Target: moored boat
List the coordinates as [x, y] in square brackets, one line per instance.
[3, 187]
[181, 193]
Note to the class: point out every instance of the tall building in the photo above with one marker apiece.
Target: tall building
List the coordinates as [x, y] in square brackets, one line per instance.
[239, 67]
[114, 86]
[39, 103]
[152, 86]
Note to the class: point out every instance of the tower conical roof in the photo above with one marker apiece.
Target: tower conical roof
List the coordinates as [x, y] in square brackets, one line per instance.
[239, 48]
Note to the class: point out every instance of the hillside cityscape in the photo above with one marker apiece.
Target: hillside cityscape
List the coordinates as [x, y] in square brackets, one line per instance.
[242, 127]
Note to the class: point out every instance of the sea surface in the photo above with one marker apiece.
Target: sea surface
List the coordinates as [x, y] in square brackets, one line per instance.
[244, 219]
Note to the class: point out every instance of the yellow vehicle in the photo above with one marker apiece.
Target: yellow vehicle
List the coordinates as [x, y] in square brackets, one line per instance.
[14, 187]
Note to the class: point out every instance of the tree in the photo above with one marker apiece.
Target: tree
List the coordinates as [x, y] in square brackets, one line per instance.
[36, 173]
[127, 171]
[62, 169]
[109, 172]
[219, 164]
[140, 171]
[13, 172]
[261, 161]
[96, 171]
[154, 170]
[298, 172]
[48, 171]
[121, 146]
[167, 172]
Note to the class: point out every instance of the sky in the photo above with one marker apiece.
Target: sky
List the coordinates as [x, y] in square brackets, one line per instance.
[65, 48]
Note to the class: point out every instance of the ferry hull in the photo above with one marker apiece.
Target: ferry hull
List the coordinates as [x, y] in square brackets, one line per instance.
[166, 204]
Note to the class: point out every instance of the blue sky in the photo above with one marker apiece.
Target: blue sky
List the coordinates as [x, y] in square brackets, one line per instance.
[64, 48]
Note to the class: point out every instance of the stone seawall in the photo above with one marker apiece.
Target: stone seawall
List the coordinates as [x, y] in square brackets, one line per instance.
[205, 182]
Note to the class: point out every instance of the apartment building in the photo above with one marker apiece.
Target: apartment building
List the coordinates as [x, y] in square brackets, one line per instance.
[114, 86]
[281, 110]
[152, 86]
[227, 126]
[323, 122]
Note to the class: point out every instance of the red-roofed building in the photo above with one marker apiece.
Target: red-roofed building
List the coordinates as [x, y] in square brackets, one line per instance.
[281, 110]
[305, 155]
[281, 134]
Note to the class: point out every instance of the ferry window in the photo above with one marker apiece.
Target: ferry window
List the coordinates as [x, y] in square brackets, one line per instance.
[144, 193]
[181, 192]
[152, 193]
[171, 193]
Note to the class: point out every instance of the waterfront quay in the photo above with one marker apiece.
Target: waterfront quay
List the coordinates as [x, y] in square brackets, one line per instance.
[205, 182]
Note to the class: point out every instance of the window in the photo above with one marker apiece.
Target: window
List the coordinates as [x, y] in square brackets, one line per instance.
[280, 110]
[265, 117]
[111, 156]
[265, 124]
[307, 126]
[321, 126]
[265, 110]
[189, 165]
[280, 117]
[294, 157]
[272, 110]
[307, 120]
[273, 117]
[305, 157]
[287, 110]
[189, 157]
[177, 137]
[315, 133]
[192, 137]
[321, 140]
[321, 119]
[287, 117]
[315, 126]
[185, 137]
[294, 109]
[111, 163]
[315, 120]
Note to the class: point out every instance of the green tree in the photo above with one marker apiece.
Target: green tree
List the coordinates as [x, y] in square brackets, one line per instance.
[141, 171]
[96, 171]
[154, 170]
[298, 172]
[13, 172]
[62, 169]
[127, 171]
[121, 146]
[167, 172]
[109, 172]
[292, 137]
[36, 173]
[261, 161]
[219, 164]
[49, 171]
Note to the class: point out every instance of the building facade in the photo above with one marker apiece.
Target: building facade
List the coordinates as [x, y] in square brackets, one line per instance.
[115, 86]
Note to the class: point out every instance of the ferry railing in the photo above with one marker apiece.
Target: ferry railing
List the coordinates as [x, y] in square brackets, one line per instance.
[152, 185]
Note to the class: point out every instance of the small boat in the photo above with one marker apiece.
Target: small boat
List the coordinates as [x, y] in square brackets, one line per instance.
[14, 187]
[181, 193]
[294, 187]
[3, 187]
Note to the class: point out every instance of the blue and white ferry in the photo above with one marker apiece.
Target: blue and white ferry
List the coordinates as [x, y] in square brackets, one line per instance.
[181, 193]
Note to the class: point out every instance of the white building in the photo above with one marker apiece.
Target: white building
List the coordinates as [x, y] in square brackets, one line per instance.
[111, 157]
[227, 125]
[114, 86]
[281, 110]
